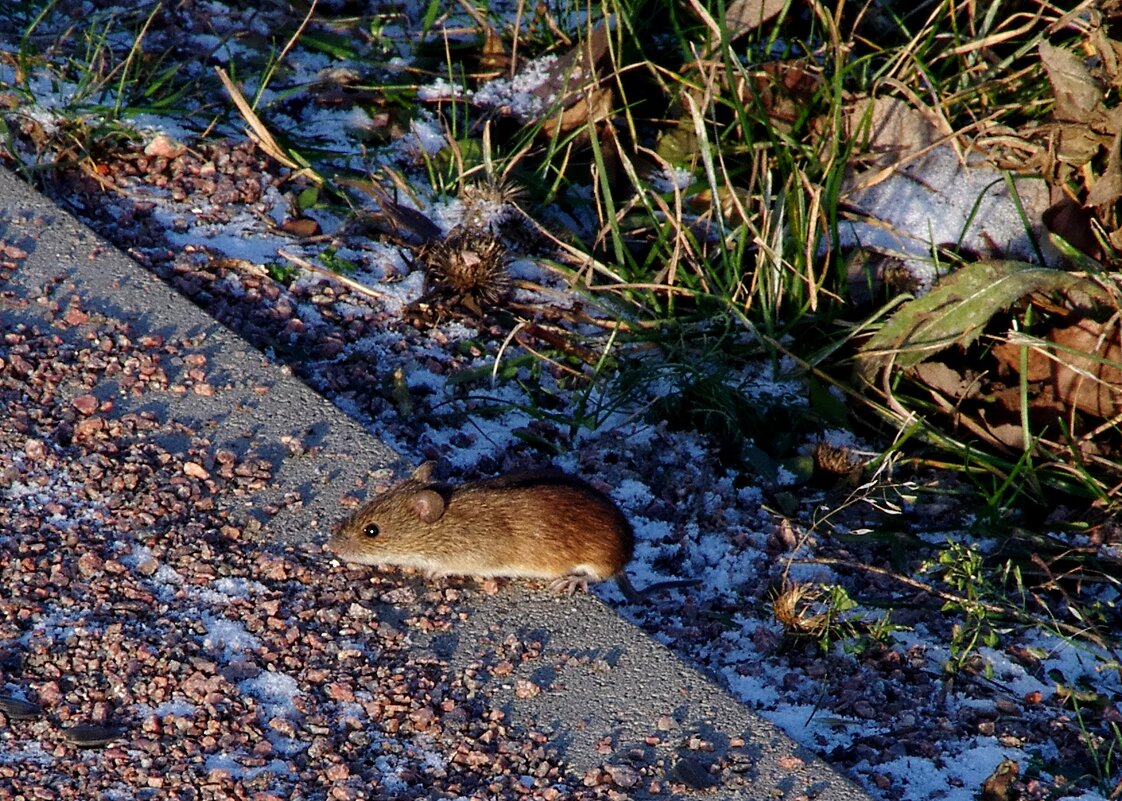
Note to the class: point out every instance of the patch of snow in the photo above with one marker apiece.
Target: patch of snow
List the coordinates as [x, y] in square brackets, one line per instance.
[516, 95]
[956, 779]
[238, 587]
[440, 89]
[427, 135]
[669, 178]
[276, 692]
[937, 200]
[225, 761]
[26, 752]
[228, 636]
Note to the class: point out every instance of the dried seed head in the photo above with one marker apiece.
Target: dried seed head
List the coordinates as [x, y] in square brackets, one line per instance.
[492, 190]
[489, 202]
[469, 266]
[836, 460]
[797, 607]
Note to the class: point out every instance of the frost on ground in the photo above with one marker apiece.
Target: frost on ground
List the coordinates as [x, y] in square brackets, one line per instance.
[921, 192]
[183, 635]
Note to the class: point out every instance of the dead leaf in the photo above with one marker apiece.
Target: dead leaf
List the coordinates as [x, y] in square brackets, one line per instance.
[1076, 144]
[999, 786]
[596, 106]
[1083, 368]
[890, 128]
[1072, 222]
[1079, 96]
[1108, 186]
[578, 70]
[1037, 366]
[743, 16]
[783, 90]
[300, 226]
[943, 379]
[1009, 435]
[494, 59]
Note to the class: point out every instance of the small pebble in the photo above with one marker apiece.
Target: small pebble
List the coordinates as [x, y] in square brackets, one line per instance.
[692, 773]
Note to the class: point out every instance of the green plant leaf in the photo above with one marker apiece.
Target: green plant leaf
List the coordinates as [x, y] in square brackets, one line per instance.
[308, 198]
[537, 441]
[335, 45]
[827, 405]
[801, 467]
[955, 312]
[764, 465]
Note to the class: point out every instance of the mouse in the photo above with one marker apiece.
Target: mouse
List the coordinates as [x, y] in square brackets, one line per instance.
[543, 524]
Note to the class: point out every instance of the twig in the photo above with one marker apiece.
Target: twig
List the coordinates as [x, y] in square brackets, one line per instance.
[362, 289]
[259, 133]
[584, 260]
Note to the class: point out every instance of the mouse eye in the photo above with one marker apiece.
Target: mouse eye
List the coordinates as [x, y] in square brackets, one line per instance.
[370, 530]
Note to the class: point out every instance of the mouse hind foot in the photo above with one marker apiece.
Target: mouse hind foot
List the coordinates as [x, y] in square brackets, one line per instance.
[570, 583]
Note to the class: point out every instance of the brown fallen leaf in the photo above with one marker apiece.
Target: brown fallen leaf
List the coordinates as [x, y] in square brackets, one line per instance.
[1009, 435]
[892, 133]
[1083, 369]
[300, 226]
[494, 60]
[580, 69]
[1072, 222]
[744, 16]
[999, 785]
[946, 380]
[784, 89]
[1079, 96]
[595, 107]
[1108, 187]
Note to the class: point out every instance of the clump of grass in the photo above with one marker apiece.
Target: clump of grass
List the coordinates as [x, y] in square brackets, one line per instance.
[103, 83]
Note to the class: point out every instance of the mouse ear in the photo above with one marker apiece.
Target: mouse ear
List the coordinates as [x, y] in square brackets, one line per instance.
[428, 505]
[424, 472]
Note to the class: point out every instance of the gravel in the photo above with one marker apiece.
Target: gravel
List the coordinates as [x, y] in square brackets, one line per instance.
[160, 638]
[136, 621]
